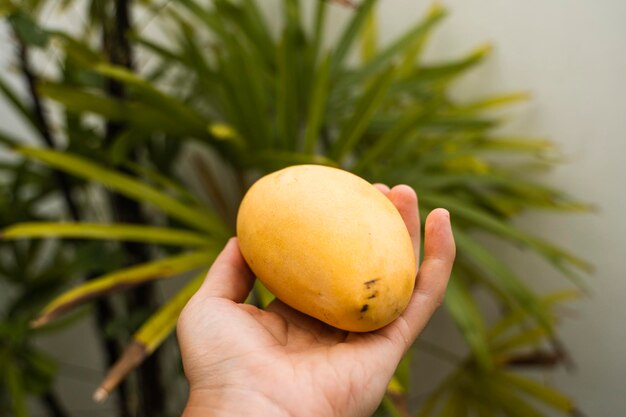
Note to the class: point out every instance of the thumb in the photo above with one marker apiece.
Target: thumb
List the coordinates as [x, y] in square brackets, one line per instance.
[229, 277]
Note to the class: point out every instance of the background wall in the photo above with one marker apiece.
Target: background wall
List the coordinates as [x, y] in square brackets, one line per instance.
[571, 55]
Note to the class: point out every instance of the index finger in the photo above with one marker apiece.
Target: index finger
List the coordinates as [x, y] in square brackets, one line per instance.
[404, 198]
[432, 280]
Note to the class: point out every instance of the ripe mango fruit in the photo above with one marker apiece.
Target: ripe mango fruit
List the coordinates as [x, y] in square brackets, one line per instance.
[328, 244]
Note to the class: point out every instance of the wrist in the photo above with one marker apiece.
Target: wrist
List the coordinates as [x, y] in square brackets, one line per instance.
[231, 403]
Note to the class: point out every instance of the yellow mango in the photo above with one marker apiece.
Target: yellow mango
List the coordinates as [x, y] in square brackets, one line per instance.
[328, 244]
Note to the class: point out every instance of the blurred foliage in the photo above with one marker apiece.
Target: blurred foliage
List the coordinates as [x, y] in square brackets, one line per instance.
[222, 97]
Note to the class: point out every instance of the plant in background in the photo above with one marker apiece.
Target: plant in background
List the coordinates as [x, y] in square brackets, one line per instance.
[224, 100]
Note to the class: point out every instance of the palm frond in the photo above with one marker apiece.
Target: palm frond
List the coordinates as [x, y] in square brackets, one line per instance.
[121, 280]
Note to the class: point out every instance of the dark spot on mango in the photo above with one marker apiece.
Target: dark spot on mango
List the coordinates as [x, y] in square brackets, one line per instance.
[374, 294]
[368, 284]
[364, 308]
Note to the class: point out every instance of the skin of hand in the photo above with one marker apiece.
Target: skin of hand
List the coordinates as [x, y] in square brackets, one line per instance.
[243, 361]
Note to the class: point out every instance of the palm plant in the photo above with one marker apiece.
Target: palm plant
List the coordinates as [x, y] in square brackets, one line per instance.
[225, 99]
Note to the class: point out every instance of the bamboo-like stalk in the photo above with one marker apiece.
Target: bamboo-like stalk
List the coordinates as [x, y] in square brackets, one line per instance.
[133, 356]
[53, 404]
[104, 310]
[119, 52]
[43, 126]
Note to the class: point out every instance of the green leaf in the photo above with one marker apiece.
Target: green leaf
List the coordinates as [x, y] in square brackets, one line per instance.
[369, 38]
[455, 405]
[413, 51]
[78, 51]
[126, 232]
[407, 123]
[530, 337]
[317, 104]
[8, 140]
[488, 222]
[350, 33]
[149, 337]
[165, 183]
[163, 52]
[6, 8]
[512, 405]
[38, 372]
[450, 70]
[503, 277]
[122, 280]
[400, 45]
[263, 295]
[153, 332]
[146, 117]
[185, 115]
[128, 186]
[77, 100]
[318, 30]
[482, 408]
[464, 310]
[395, 387]
[391, 407]
[538, 391]
[68, 320]
[429, 82]
[362, 115]
[492, 102]
[15, 388]
[124, 143]
[17, 103]
[518, 316]
[286, 94]
[403, 371]
[252, 26]
[513, 144]
[28, 30]
[274, 160]
[243, 88]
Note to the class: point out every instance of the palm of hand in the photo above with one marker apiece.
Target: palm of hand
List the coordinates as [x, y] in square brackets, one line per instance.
[294, 361]
[288, 363]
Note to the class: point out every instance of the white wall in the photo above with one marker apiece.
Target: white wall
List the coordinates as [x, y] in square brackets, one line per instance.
[571, 55]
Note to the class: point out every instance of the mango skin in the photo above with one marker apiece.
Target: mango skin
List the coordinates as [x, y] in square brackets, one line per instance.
[328, 244]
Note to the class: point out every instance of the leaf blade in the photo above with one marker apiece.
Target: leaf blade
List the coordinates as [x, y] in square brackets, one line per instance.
[317, 105]
[124, 184]
[148, 338]
[503, 277]
[350, 33]
[118, 231]
[121, 280]
[364, 110]
[538, 391]
[463, 309]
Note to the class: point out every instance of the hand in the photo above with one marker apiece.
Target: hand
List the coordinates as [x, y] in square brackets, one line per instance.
[244, 361]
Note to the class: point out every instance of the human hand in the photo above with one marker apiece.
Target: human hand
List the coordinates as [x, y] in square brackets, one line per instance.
[244, 361]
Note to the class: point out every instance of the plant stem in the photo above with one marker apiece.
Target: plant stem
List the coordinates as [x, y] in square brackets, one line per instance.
[42, 123]
[104, 310]
[152, 396]
[104, 315]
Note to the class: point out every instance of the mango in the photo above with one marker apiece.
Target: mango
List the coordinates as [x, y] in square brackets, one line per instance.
[328, 244]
